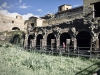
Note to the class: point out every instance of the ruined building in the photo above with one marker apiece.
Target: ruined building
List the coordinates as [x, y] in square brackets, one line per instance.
[76, 27]
[11, 24]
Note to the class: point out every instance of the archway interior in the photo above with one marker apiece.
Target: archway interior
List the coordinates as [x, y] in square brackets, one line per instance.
[15, 39]
[84, 40]
[39, 41]
[99, 40]
[29, 40]
[15, 28]
[63, 38]
[51, 42]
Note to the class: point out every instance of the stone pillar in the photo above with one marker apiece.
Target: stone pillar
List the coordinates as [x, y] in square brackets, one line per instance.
[67, 42]
[94, 44]
[44, 43]
[53, 44]
[41, 43]
[97, 44]
[75, 44]
[30, 43]
[34, 43]
[58, 43]
[25, 43]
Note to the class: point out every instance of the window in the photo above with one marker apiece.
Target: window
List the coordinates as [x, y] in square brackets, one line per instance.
[97, 9]
[15, 28]
[60, 9]
[66, 8]
[12, 21]
[3, 21]
[32, 24]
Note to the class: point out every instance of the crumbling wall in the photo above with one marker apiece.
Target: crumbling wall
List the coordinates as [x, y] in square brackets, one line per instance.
[7, 23]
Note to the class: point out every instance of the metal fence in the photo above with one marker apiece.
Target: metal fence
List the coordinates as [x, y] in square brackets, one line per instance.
[68, 51]
[60, 51]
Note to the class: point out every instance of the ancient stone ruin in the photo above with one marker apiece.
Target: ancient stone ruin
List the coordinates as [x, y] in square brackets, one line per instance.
[76, 27]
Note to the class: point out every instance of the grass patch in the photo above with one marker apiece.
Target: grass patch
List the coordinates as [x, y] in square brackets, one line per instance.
[15, 61]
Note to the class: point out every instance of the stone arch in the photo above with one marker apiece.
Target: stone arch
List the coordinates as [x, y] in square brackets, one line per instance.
[15, 28]
[41, 31]
[30, 38]
[51, 42]
[15, 39]
[99, 40]
[39, 41]
[63, 37]
[83, 40]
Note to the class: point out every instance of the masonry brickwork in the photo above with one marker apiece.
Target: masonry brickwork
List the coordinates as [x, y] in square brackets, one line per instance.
[81, 25]
[10, 24]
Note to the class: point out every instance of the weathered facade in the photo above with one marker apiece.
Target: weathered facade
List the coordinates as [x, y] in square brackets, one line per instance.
[76, 27]
[11, 24]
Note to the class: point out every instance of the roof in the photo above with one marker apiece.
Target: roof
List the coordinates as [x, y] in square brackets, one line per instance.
[64, 4]
[71, 10]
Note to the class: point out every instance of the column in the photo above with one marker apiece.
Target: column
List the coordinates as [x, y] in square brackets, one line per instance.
[93, 44]
[44, 43]
[52, 43]
[41, 43]
[67, 44]
[75, 44]
[58, 43]
[97, 44]
[25, 43]
[34, 43]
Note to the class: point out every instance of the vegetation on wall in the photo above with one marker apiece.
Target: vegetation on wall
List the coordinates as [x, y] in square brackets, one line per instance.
[14, 37]
[18, 38]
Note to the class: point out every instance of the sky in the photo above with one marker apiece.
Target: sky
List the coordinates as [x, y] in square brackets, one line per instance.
[38, 8]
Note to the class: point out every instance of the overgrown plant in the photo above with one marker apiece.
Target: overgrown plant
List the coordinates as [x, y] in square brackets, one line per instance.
[16, 61]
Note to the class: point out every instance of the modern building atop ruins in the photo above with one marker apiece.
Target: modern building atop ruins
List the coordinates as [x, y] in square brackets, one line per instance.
[76, 27]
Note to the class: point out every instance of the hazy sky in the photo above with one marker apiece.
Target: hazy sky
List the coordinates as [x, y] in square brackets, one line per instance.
[28, 8]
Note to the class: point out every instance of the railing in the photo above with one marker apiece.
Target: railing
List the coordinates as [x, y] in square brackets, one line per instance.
[69, 51]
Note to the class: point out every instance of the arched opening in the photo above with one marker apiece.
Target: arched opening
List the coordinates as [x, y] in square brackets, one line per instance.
[51, 42]
[39, 41]
[15, 39]
[65, 38]
[84, 40]
[99, 40]
[15, 28]
[30, 37]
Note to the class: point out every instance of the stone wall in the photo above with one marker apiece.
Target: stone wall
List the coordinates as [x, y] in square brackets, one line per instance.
[88, 10]
[76, 22]
[7, 23]
[66, 16]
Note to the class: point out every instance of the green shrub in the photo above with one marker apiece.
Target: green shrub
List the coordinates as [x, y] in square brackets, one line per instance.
[0, 45]
[16, 61]
[7, 45]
